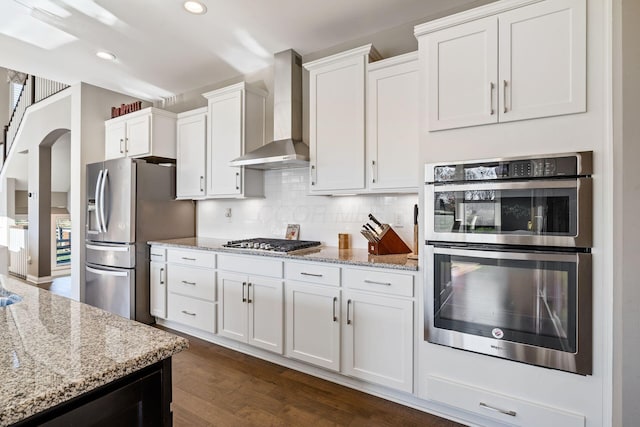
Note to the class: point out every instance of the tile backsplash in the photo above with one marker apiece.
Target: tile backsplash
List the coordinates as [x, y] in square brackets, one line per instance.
[320, 217]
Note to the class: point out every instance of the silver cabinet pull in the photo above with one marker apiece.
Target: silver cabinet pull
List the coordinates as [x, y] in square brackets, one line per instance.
[121, 149]
[373, 282]
[243, 286]
[335, 300]
[188, 259]
[313, 169]
[237, 180]
[189, 283]
[126, 145]
[162, 276]
[348, 305]
[504, 95]
[373, 171]
[249, 301]
[202, 183]
[188, 313]
[310, 274]
[502, 411]
[156, 254]
[491, 87]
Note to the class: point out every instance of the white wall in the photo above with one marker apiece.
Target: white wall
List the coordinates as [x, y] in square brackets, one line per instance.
[4, 100]
[320, 217]
[626, 203]
[577, 132]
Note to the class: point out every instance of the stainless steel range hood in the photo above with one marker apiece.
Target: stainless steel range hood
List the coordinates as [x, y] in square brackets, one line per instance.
[287, 150]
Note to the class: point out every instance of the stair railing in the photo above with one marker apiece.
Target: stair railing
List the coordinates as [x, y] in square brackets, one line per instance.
[34, 89]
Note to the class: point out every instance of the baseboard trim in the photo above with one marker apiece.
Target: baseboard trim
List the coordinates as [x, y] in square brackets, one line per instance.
[38, 280]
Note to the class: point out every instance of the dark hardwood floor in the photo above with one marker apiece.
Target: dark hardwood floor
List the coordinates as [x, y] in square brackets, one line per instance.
[214, 386]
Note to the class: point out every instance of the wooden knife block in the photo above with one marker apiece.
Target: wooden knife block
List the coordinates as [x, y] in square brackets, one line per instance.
[390, 243]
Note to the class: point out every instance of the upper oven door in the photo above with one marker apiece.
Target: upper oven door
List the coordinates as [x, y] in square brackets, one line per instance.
[533, 213]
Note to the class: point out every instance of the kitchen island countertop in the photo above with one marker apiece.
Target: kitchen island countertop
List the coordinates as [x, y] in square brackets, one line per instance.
[356, 257]
[53, 349]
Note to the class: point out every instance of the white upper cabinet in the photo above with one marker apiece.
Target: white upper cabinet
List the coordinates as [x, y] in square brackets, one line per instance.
[524, 63]
[146, 133]
[191, 162]
[393, 124]
[461, 76]
[236, 124]
[542, 65]
[337, 120]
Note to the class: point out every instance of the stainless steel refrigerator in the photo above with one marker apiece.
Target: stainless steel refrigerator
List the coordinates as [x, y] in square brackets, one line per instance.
[129, 202]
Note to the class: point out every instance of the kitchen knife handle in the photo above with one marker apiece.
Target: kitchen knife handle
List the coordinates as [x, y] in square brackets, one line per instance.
[373, 218]
[243, 285]
[348, 306]
[335, 300]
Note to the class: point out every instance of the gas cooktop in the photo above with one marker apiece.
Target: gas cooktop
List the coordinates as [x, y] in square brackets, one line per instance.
[281, 246]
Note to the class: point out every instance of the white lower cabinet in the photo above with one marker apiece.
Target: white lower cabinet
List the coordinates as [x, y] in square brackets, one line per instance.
[158, 284]
[499, 407]
[251, 310]
[313, 324]
[191, 288]
[378, 339]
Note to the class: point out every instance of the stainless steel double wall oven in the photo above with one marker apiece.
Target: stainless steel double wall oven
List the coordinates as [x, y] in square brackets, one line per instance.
[508, 258]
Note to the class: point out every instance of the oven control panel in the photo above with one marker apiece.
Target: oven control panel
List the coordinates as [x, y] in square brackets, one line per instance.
[550, 167]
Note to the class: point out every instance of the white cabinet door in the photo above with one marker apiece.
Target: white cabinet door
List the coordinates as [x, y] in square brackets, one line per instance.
[158, 289]
[191, 158]
[232, 306]
[392, 125]
[313, 324]
[542, 60]
[225, 144]
[461, 75]
[114, 140]
[138, 141]
[337, 125]
[265, 301]
[378, 339]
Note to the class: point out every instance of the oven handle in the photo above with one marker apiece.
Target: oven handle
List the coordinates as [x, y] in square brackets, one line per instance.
[525, 256]
[520, 185]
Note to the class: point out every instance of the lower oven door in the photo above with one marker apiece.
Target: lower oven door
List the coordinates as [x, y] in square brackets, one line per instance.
[532, 307]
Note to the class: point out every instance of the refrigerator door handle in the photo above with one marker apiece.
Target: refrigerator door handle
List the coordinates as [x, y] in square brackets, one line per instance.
[101, 212]
[107, 272]
[108, 248]
[97, 205]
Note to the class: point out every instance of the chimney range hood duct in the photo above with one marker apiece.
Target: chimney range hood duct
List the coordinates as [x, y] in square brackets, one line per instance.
[287, 150]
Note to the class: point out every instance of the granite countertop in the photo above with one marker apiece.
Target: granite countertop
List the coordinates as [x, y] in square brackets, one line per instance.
[357, 257]
[53, 349]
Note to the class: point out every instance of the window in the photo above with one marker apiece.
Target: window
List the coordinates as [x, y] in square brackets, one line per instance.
[14, 92]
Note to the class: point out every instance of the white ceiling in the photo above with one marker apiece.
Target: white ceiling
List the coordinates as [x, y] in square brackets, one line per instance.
[164, 51]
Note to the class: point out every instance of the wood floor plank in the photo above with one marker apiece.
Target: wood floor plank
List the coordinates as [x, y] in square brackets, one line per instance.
[215, 386]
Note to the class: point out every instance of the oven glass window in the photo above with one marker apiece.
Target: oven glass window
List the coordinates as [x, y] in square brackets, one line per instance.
[525, 212]
[530, 302]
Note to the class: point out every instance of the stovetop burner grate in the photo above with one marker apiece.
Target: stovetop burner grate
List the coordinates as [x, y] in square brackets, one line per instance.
[271, 245]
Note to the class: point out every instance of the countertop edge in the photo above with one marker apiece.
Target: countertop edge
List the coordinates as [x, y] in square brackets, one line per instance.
[303, 255]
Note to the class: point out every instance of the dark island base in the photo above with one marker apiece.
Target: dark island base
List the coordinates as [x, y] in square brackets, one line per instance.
[142, 398]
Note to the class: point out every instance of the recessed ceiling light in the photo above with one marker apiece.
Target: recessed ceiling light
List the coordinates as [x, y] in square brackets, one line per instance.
[106, 55]
[194, 7]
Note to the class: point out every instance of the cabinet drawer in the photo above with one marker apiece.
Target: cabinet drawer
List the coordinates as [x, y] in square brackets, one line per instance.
[497, 406]
[378, 281]
[158, 254]
[259, 265]
[192, 312]
[192, 282]
[305, 272]
[192, 257]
